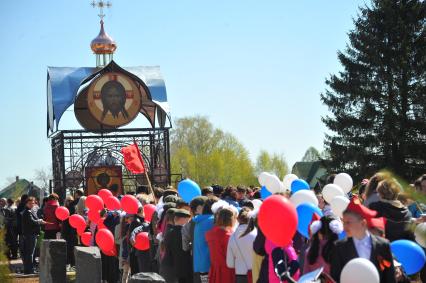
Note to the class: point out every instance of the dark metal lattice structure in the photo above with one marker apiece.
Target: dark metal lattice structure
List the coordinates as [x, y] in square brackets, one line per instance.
[74, 150]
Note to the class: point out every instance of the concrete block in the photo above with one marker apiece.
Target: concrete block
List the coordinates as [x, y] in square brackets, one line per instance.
[146, 277]
[88, 265]
[53, 261]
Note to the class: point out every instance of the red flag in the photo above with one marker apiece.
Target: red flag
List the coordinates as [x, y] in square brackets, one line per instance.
[133, 159]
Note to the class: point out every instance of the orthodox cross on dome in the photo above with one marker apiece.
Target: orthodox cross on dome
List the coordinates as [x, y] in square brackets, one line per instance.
[101, 5]
[103, 45]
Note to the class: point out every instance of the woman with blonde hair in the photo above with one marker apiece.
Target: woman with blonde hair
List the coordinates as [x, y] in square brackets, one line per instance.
[397, 215]
[371, 195]
[80, 208]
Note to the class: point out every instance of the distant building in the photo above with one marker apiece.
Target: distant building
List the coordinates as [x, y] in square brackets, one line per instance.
[314, 173]
[20, 187]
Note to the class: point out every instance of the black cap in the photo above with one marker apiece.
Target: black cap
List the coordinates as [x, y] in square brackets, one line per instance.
[182, 213]
[200, 200]
[171, 210]
[170, 198]
[169, 205]
[169, 192]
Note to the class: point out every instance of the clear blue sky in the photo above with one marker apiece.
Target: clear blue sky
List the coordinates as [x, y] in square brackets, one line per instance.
[255, 68]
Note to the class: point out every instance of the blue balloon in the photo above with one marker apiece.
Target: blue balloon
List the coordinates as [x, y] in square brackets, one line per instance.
[264, 193]
[188, 190]
[342, 235]
[298, 185]
[409, 254]
[305, 211]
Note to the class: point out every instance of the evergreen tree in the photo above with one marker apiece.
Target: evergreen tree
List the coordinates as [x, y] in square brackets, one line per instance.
[378, 100]
[311, 154]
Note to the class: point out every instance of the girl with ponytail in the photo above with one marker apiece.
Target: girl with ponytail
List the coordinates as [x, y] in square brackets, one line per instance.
[324, 234]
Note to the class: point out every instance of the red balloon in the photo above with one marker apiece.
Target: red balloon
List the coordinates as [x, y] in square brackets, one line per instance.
[112, 252]
[93, 215]
[101, 224]
[112, 203]
[130, 204]
[94, 202]
[105, 239]
[142, 241]
[278, 220]
[62, 213]
[85, 238]
[104, 194]
[80, 230]
[148, 210]
[77, 221]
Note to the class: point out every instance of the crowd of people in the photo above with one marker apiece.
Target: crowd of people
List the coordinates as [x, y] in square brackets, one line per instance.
[216, 237]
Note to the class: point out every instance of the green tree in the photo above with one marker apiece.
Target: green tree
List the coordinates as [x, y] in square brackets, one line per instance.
[311, 154]
[208, 155]
[263, 162]
[273, 163]
[378, 100]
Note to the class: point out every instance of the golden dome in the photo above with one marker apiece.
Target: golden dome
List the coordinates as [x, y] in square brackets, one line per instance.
[103, 43]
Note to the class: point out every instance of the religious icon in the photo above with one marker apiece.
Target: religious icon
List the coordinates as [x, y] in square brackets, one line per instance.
[114, 99]
[113, 96]
[103, 177]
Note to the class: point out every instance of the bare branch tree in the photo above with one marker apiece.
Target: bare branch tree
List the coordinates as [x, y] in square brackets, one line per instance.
[42, 177]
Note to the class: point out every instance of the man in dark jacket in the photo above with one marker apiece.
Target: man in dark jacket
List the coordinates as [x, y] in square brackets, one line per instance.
[30, 230]
[175, 256]
[360, 243]
[11, 230]
[143, 258]
[138, 220]
[19, 210]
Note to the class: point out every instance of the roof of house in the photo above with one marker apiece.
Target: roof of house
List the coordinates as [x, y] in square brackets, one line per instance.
[20, 187]
[308, 170]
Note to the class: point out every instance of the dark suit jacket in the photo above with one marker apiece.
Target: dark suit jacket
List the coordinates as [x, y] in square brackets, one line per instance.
[381, 257]
[30, 224]
[175, 256]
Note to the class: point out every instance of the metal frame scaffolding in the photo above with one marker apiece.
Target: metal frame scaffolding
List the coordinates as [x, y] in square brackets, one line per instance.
[74, 150]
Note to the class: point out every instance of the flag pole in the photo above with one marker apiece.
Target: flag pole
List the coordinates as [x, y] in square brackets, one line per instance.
[146, 174]
[150, 187]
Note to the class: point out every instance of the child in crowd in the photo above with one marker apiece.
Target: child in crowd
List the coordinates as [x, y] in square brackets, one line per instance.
[217, 239]
[324, 234]
[361, 243]
[239, 253]
[175, 257]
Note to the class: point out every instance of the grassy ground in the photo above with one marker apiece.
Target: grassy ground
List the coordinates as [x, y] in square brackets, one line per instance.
[4, 264]
[70, 279]
[8, 269]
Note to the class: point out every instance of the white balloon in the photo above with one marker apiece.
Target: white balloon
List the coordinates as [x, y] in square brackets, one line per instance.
[359, 270]
[282, 188]
[263, 177]
[339, 204]
[288, 179]
[303, 196]
[330, 191]
[273, 184]
[256, 203]
[344, 181]
[420, 234]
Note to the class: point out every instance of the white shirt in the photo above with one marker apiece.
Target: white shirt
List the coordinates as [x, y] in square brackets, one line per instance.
[363, 246]
[240, 250]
